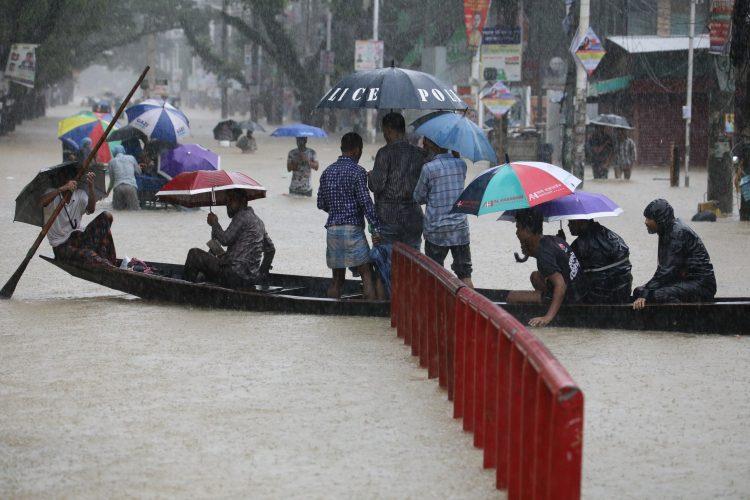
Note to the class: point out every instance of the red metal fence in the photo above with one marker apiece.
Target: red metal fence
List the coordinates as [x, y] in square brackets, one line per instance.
[522, 406]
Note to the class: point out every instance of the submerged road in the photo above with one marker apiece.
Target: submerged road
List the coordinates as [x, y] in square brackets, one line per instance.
[103, 395]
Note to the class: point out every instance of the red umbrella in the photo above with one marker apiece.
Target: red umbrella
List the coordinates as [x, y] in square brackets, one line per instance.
[206, 188]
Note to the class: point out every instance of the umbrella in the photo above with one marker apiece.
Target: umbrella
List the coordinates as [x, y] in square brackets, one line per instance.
[29, 210]
[299, 130]
[392, 88]
[127, 133]
[513, 186]
[576, 206]
[456, 132]
[74, 129]
[187, 158]
[230, 126]
[159, 120]
[204, 188]
[251, 125]
[614, 121]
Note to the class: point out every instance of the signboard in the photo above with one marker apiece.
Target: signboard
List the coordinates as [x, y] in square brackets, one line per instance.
[498, 99]
[368, 54]
[720, 26]
[588, 50]
[327, 59]
[501, 50]
[21, 67]
[475, 16]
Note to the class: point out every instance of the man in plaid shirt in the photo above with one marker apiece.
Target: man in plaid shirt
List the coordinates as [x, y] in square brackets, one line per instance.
[439, 186]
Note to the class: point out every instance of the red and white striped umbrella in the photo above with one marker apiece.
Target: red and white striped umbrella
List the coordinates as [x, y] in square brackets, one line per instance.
[206, 188]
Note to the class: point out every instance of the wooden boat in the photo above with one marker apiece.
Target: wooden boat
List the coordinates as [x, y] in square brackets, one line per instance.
[307, 295]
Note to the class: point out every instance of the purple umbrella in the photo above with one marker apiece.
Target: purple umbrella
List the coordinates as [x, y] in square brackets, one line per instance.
[581, 205]
[187, 158]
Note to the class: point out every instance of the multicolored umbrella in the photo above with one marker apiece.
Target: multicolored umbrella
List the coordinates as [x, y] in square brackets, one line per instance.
[159, 120]
[456, 132]
[299, 130]
[74, 129]
[576, 206]
[204, 188]
[515, 185]
[187, 158]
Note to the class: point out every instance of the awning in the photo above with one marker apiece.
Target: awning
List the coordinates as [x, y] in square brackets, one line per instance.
[647, 44]
[608, 86]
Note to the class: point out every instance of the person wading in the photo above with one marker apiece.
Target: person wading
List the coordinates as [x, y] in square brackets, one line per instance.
[300, 161]
[684, 272]
[440, 184]
[558, 277]
[122, 171]
[392, 180]
[344, 197]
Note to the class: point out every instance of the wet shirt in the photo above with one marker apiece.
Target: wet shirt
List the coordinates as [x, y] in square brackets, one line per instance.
[440, 184]
[556, 256]
[69, 219]
[301, 175]
[123, 169]
[393, 179]
[246, 241]
[344, 196]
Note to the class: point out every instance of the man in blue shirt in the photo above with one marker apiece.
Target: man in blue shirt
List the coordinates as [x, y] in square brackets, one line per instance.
[343, 195]
[439, 186]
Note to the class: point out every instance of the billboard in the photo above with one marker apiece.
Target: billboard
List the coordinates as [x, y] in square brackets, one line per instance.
[21, 66]
[475, 16]
[368, 54]
[502, 50]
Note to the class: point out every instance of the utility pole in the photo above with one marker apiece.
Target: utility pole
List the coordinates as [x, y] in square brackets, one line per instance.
[224, 55]
[151, 77]
[688, 110]
[375, 37]
[327, 78]
[579, 120]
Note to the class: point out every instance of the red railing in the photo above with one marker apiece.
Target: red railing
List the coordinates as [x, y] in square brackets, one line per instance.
[524, 409]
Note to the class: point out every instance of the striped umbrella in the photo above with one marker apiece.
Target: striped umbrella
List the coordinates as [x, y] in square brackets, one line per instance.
[74, 129]
[513, 186]
[159, 120]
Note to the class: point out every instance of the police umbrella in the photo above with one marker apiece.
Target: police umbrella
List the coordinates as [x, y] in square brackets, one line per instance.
[391, 88]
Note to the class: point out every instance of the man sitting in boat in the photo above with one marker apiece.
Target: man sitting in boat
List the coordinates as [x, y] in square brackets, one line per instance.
[249, 253]
[70, 241]
[558, 277]
[684, 272]
[605, 260]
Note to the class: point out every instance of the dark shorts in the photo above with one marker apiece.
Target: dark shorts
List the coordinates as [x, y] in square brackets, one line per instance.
[407, 234]
[461, 257]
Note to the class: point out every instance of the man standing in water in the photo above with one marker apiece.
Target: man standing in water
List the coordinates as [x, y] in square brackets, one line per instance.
[684, 272]
[299, 162]
[398, 165]
[558, 277]
[344, 197]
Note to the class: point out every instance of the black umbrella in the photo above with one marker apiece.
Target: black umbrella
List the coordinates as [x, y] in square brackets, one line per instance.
[392, 88]
[228, 130]
[127, 133]
[29, 210]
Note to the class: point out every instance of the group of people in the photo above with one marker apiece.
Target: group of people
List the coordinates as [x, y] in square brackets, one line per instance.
[595, 268]
[605, 150]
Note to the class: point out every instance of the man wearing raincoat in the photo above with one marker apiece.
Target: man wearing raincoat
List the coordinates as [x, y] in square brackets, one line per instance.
[684, 272]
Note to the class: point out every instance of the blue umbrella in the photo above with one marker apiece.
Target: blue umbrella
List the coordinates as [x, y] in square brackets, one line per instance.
[299, 130]
[577, 206]
[456, 132]
[159, 120]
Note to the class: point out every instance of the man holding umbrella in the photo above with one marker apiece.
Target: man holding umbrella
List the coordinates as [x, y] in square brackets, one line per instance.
[392, 180]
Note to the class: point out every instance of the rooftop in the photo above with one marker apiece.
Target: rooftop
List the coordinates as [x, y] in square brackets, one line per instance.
[645, 44]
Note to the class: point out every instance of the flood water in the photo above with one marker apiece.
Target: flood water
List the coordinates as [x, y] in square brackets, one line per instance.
[101, 393]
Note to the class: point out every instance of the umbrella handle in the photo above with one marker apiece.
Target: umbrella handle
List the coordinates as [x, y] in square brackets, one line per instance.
[213, 200]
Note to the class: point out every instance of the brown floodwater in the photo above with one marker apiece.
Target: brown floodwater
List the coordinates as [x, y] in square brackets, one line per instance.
[104, 394]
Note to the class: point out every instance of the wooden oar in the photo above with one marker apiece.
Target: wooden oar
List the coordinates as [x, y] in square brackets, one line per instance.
[10, 286]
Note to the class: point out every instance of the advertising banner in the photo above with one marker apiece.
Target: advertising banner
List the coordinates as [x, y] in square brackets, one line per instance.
[720, 26]
[588, 50]
[475, 16]
[21, 67]
[368, 54]
[502, 50]
[498, 99]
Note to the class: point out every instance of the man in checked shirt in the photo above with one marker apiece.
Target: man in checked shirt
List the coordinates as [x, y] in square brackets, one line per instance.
[392, 181]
